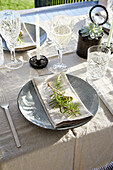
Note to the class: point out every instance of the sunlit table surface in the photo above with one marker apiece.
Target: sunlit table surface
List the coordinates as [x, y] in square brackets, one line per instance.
[82, 148]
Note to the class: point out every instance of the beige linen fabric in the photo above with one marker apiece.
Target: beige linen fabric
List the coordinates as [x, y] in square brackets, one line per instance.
[94, 141]
[86, 147]
[41, 148]
[104, 88]
[49, 152]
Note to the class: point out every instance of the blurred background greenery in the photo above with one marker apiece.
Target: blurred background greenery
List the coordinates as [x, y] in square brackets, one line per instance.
[28, 4]
[16, 4]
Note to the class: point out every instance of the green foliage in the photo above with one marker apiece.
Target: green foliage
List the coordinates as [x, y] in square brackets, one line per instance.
[59, 100]
[92, 31]
[20, 40]
[16, 5]
[28, 4]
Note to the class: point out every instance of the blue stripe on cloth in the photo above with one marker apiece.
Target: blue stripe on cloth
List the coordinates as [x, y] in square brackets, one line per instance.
[110, 166]
[107, 167]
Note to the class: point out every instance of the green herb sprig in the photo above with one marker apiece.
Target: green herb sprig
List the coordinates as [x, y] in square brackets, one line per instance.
[20, 39]
[59, 100]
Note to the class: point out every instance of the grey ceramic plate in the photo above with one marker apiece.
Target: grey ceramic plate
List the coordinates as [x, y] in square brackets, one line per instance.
[32, 30]
[31, 108]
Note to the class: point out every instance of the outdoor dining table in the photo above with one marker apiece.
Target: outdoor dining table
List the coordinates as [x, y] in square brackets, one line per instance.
[83, 148]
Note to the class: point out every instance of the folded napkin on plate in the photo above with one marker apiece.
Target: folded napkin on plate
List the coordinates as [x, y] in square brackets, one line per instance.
[57, 118]
[27, 40]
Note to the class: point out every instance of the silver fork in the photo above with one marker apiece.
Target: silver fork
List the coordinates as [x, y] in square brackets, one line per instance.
[5, 105]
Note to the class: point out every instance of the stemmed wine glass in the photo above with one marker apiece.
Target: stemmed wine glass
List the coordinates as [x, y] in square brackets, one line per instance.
[10, 29]
[61, 32]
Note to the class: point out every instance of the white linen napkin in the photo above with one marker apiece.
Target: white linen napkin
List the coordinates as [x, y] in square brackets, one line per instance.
[27, 40]
[57, 118]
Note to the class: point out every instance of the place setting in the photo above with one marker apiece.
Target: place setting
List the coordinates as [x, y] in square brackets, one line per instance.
[56, 87]
[55, 117]
[58, 101]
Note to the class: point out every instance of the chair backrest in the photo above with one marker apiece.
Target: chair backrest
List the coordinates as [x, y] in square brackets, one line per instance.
[41, 3]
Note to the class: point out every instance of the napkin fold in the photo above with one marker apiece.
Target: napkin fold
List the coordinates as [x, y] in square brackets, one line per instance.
[27, 40]
[57, 118]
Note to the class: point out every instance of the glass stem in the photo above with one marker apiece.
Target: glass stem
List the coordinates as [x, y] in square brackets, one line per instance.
[12, 51]
[59, 56]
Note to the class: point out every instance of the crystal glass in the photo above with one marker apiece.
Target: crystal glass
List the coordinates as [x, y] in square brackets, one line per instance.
[10, 29]
[4, 152]
[97, 62]
[61, 32]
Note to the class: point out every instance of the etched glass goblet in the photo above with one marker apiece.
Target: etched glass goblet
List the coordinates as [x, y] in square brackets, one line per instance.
[10, 29]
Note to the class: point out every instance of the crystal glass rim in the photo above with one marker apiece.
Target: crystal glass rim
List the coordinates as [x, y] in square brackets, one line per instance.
[57, 17]
[8, 13]
[99, 47]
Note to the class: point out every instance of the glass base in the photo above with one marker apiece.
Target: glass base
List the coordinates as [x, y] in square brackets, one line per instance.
[14, 64]
[58, 68]
[4, 153]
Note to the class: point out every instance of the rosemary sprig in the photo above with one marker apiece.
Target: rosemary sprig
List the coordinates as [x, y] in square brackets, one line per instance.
[20, 39]
[59, 100]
